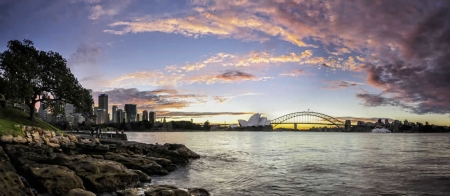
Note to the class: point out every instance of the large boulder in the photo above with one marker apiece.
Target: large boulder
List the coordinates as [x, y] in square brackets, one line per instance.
[99, 175]
[58, 180]
[10, 182]
[20, 139]
[146, 165]
[165, 163]
[142, 176]
[177, 153]
[80, 192]
[166, 190]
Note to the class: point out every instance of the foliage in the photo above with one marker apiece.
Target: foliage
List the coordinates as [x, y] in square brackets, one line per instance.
[9, 117]
[206, 126]
[33, 76]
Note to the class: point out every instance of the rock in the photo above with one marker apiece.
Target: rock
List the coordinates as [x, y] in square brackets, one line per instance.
[53, 145]
[142, 176]
[99, 175]
[45, 139]
[7, 138]
[20, 139]
[127, 192]
[54, 140]
[95, 156]
[177, 153]
[56, 179]
[145, 165]
[165, 190]
[198, 192]
[47, 133]
[52, 134]
[10, 182]
[35, 134]
[165, 163]
[73, 138]
[80, 192]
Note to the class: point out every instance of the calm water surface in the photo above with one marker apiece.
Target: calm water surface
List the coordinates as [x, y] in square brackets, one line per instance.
[305, 163]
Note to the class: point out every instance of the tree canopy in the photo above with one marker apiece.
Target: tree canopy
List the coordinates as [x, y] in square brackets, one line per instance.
[31, 76]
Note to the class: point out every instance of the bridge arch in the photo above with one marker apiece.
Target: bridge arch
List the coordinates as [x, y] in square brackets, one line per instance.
[302, 118]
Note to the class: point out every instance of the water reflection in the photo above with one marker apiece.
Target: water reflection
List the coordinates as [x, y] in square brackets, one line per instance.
[299, 163]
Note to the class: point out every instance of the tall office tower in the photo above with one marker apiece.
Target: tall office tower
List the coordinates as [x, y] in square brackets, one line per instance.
[43, 112]
[348, 124]
[91, 94]
[69, 110]
[131, 110]
[103, 104]
[138, 117]
[114, 114]
[124, 116]
[101, 115]
[145, 115]
[119, 116]
[152, 117]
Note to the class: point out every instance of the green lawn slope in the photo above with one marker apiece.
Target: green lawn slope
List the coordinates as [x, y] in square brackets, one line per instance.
[9, 117]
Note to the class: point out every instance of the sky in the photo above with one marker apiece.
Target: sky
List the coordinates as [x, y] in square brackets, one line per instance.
[222, 60]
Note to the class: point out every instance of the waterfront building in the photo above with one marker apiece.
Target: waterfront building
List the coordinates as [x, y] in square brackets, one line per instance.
[120, 115]
[348, 125]
[103, 104]
[405, 122]
[131, 110]
[360, 123]
[138, 118]
[152, 117]
[43, 112]
[78, 118]
[145, 115]
[101, 115]
[254, 121]
[114, 114]
[386, 122]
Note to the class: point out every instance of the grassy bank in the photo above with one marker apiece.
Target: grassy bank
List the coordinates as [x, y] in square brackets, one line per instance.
[9, 117]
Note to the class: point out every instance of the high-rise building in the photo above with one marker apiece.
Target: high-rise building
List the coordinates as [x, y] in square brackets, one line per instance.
[103, 104]
[152, 117]
[101, 115]
[145, 115]
[69, 110]
[348, 124]
[119, 115]
[138, 117]
[114, 114]
[43, 112]
[131, 110]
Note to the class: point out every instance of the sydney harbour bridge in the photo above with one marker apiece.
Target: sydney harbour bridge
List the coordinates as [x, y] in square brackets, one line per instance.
[307, 117]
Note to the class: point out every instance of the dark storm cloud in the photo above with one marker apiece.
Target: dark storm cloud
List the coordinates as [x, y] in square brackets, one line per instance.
[150, 100]
[421, 81]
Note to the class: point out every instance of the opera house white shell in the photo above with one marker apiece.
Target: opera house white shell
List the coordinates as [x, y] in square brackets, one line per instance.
[255, 121]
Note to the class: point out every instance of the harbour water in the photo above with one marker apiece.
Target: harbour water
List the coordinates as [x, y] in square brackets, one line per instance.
[310, 163]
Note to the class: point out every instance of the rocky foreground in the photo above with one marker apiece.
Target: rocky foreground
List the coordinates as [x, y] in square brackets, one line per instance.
[43, 162]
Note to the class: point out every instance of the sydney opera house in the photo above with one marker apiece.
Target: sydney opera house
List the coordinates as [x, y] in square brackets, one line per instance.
[255, 121]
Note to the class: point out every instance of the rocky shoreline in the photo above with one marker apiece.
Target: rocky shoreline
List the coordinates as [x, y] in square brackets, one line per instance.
[43, 162]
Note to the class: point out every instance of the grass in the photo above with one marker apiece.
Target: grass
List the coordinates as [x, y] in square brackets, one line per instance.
[9, 117]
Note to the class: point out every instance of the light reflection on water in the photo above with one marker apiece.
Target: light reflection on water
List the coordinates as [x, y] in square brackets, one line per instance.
[305, 163]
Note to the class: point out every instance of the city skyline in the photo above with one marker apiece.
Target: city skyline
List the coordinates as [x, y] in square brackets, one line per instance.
[226, 60]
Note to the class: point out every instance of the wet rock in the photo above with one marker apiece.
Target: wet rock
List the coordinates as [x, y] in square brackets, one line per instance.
[80, 192]
[198, 192]
[142, 176]
[10, 182]
[177, 153]
[56, 179]
[166, 190]
[127, 192]
[53, 145]
[165, 163]
[145, 165]
[99, 175]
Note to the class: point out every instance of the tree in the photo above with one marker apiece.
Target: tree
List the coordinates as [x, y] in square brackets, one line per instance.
[206, 125]
[33, 76]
